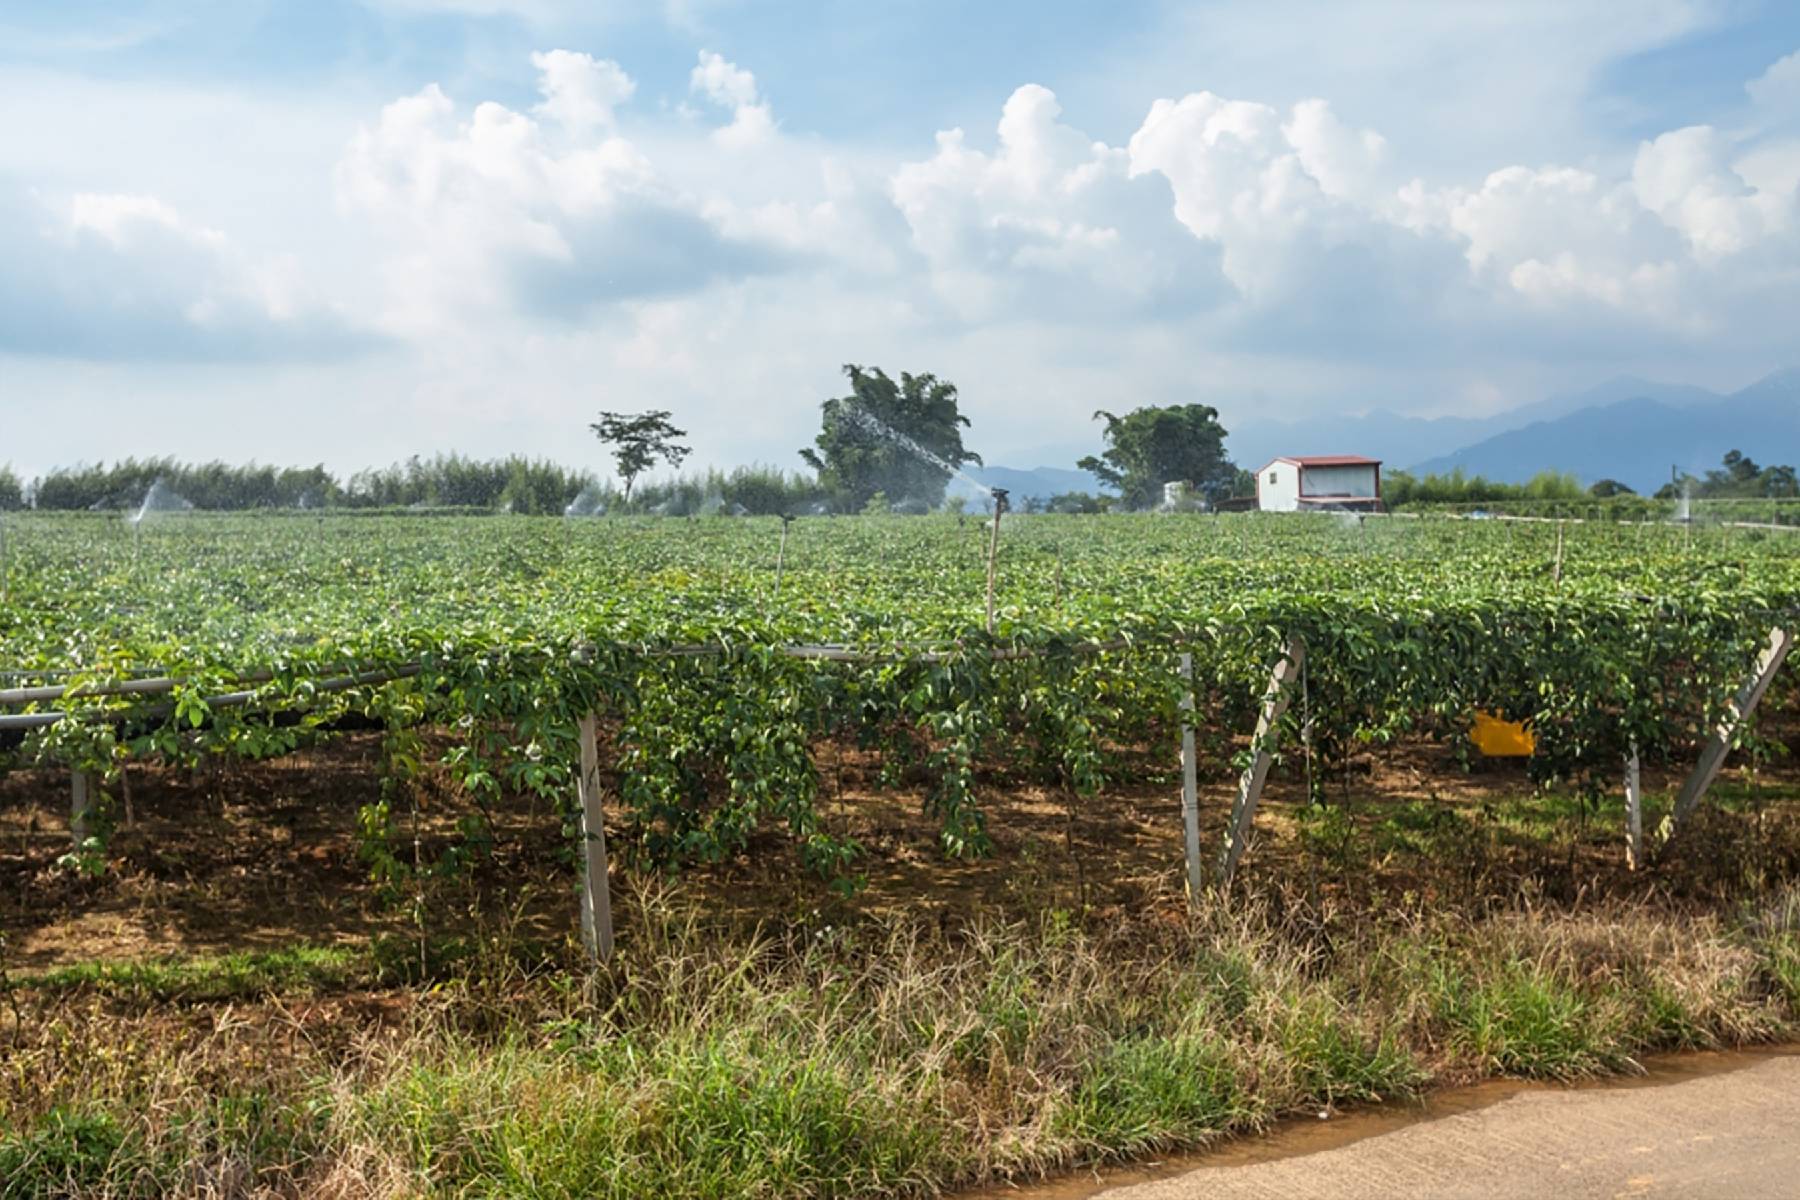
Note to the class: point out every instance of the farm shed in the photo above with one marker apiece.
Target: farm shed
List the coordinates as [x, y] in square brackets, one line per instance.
[1292, 484]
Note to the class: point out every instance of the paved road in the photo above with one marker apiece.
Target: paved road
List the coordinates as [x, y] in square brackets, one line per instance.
[1732, 1134]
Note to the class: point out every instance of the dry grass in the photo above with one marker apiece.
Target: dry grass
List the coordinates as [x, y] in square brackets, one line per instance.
[889, 1057]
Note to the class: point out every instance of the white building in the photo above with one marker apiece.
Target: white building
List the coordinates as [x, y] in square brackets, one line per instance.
[1320, 481]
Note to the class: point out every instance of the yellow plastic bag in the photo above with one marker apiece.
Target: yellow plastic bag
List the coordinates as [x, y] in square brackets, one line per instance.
[1496, 738]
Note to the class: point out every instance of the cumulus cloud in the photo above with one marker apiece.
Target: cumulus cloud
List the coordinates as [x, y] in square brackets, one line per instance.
[1049, 221]
[490, 214]
[113, 277]
[1687, 179]
[587, 232]
[1777, 90]
[580, 92]
[1295, 229]
[731, 87]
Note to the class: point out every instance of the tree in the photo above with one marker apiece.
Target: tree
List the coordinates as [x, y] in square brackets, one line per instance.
[1606, 489]
[902, 440]
[1737, 477]
[639, 440]
[12, 494]
[1149, 447]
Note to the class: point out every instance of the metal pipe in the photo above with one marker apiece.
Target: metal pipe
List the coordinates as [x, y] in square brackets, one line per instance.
[123, 687]
[238, 699]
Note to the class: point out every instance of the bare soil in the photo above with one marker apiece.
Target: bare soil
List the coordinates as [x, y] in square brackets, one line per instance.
[263, 855]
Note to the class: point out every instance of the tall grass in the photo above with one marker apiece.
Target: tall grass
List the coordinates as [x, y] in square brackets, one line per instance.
[891, 1058]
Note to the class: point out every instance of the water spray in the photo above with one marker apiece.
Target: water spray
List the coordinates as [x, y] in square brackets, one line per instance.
[999, 495]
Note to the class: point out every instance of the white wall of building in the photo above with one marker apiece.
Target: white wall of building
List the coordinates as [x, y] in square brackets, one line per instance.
[1278, 487]
[1340, 481]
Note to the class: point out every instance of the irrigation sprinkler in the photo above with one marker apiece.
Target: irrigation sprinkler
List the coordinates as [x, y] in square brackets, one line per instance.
[999, 495]
[781, 553]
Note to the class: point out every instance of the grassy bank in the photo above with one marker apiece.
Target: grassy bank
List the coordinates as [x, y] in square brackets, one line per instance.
[886, 1058]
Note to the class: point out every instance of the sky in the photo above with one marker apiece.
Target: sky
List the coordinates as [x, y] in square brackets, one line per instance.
[347, 231]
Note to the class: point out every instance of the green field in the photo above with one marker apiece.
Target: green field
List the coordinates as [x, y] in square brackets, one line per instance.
[331, 949]
[679, 635]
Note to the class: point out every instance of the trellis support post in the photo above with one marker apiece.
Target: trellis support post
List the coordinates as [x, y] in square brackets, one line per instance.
[596, 898]
[1634, 812]
[1190, 791]
[1718, 746]
[81, 807]
[1262, 745]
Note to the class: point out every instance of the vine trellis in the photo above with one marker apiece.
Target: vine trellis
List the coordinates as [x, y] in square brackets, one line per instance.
[710, 697]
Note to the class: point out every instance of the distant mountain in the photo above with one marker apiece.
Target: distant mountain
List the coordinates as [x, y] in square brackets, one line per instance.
[1039, 482]
[1400, 440]
[1638, 440]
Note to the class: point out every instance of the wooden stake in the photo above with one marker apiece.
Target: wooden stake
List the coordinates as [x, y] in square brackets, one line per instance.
[781, 554]
[596, 897]
[1190, 791]
[81, 807]
[1275, 703]
[1718, 746]
[1634, 812]
[1557, 576]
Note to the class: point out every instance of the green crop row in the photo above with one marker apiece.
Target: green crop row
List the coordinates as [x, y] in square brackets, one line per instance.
[1603, 637]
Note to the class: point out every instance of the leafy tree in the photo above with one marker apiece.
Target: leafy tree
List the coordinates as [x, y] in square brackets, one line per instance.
[1606, 489]
[1780, 481]
[901, 440]
[1077, 502]
[12, 495]
[639, 439]
[1737, 477]
[1739, 468]
[1149, 447]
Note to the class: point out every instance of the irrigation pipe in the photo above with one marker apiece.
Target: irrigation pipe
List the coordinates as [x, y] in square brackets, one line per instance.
[40, 720]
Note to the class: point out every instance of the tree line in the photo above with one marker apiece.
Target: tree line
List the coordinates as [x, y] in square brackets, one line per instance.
[514, 484]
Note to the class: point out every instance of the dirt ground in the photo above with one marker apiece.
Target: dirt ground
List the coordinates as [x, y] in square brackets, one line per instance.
[265, 855]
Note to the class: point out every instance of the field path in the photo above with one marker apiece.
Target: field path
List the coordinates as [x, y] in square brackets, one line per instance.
[1726, 1126]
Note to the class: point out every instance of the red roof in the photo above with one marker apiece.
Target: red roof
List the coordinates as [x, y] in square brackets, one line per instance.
[1330, 460]
[1321, 460]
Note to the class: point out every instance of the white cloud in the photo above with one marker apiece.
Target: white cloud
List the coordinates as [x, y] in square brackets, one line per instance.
[1685, 178]
[580, 92]
[1349, 164]
[1556, 233]
[114, 276]
[490, 216]
[532, 257]
[1777, 90]
[731, 87]
[1047, 223]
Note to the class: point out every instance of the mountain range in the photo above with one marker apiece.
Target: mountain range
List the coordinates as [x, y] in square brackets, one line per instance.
[1041, 482]
[1633, 430]
[1643, 440]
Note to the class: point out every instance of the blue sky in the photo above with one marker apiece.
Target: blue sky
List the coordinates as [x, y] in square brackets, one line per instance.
[351, 230]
